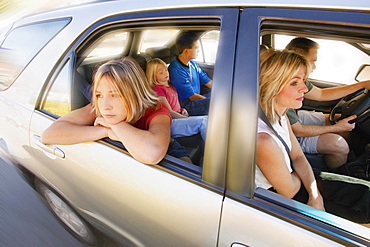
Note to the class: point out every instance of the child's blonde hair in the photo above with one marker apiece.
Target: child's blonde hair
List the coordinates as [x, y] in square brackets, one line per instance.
[151, 70]
[129, 80]
[277, 68]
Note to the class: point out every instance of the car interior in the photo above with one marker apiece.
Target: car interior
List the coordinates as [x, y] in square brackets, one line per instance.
[86, 65]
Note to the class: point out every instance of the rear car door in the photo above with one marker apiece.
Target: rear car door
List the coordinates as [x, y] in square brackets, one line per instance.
[169, 204]
[271, 219]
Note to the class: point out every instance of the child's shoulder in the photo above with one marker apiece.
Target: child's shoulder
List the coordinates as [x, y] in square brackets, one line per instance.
[159, 86]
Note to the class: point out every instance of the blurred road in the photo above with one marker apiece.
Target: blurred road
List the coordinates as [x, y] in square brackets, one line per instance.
[24, 218]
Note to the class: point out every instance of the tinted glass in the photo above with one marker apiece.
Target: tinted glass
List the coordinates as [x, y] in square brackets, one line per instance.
[21, 46]
[58, 99]
[157, 37]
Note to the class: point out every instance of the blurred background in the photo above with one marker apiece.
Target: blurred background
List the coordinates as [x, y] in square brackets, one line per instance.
[11, 10]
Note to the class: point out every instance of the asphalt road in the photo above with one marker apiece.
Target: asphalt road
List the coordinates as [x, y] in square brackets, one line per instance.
[24, 218]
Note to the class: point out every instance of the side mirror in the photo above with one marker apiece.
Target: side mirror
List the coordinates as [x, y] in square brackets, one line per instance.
[363, 74]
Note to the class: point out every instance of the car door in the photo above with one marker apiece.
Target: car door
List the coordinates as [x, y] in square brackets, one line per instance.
[169, 204]
[268, 218]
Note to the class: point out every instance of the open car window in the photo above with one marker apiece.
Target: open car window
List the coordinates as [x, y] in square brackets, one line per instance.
[338, 61]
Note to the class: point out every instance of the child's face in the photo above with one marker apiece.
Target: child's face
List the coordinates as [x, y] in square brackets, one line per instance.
[162, 74]
[193, 52]
[110, 103]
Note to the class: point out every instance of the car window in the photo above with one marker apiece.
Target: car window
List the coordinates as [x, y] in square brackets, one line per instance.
[156, 37]
[337, 61]
[208, 47]
[58, 98]
[143, 43]
[22, 44]
[110, 44]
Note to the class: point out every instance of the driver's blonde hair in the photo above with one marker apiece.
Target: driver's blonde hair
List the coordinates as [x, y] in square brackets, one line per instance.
[277, 68]
[130, 81]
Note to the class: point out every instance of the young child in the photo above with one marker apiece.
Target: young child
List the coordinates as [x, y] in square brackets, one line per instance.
[182, 124]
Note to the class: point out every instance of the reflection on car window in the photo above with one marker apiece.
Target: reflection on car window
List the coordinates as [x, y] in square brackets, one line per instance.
[208, 46]
[110, 44]
[337, 61]
[157, 37]
[22, 44]
[58, 99]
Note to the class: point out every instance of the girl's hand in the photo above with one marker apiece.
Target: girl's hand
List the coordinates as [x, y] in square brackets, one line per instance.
[184, 112]
[100, 121]
[112, 135]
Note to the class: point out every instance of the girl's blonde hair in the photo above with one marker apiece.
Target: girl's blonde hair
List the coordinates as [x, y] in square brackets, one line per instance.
[129, 80]
[277, 68]
[151, 70]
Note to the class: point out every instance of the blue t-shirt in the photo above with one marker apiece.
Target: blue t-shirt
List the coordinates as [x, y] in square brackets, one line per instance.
[187, 79]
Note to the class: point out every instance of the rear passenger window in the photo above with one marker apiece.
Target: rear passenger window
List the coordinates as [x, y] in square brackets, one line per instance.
[21, 46]
[108, 45]
[141, 43]
[157, 37]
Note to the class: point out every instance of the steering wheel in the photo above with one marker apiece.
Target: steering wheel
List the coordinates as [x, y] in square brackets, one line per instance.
[355, 104]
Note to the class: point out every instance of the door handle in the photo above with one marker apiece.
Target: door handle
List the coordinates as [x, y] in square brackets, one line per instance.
[52, 149]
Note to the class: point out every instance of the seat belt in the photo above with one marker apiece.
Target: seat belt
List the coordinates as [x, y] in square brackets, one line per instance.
[264, 118]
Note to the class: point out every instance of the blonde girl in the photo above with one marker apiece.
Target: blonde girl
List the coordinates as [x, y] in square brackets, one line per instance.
[124, 108]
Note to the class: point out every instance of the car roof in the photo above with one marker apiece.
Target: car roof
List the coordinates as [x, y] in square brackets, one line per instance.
[98, 9]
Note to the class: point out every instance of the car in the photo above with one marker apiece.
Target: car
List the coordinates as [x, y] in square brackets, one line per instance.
[99, 189]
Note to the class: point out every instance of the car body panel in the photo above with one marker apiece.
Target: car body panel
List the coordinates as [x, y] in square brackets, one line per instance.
[143, 201]
[238, 219]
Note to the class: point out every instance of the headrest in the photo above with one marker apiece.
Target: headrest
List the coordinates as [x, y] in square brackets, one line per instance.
[159, 51]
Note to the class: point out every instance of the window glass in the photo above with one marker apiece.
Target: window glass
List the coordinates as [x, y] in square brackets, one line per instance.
[21, 45]
[58, 98]
[157, 37]
[208, 46]
[110, 44]
[337, 61]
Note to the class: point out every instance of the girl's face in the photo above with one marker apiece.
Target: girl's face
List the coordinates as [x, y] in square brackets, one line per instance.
[162, 74]
[292, 93]
[110, 103]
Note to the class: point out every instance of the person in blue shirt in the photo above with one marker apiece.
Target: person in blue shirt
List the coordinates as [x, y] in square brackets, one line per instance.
[187, 76]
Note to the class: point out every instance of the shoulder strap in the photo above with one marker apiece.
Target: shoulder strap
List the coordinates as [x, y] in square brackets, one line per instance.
[264, 118]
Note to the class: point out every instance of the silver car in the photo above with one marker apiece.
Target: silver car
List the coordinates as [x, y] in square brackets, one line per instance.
[98, 189]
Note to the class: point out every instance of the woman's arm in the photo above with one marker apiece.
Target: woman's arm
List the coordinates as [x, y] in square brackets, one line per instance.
[74, 127]
[156, 139]
[305, 173]
[270, 160]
